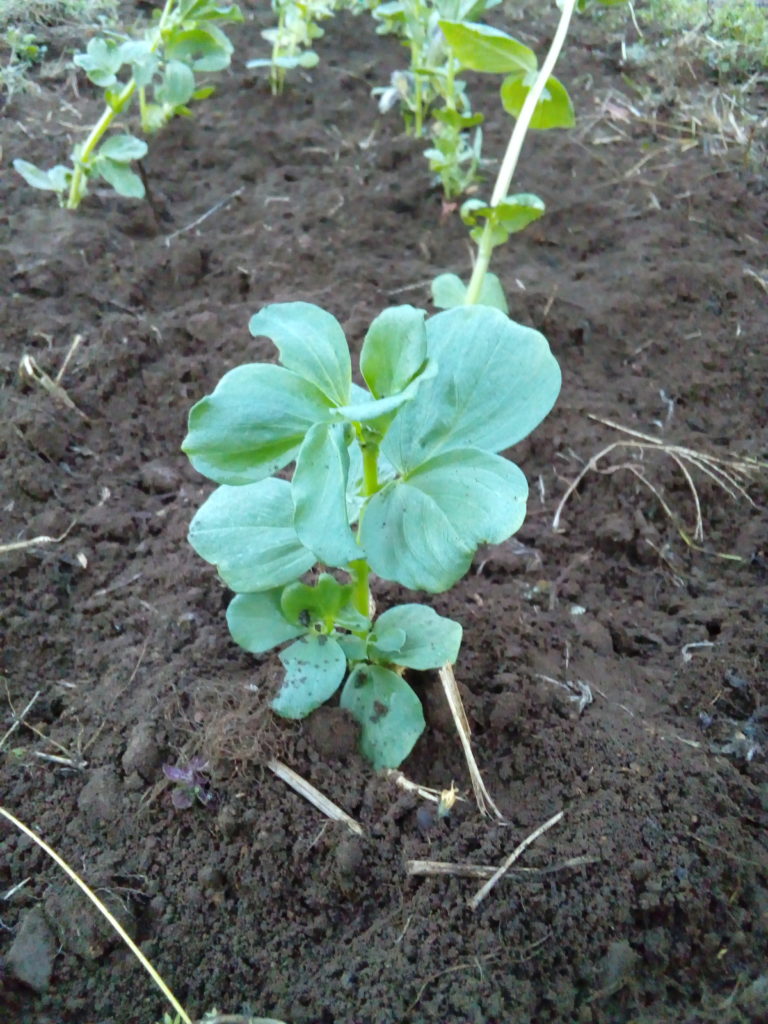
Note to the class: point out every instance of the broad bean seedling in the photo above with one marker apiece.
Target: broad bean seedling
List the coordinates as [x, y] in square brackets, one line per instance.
[183, 41]
[401, 478]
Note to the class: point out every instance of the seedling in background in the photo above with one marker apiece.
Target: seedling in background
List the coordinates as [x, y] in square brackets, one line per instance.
[292, 38]
[161, 70]
[431, 87]
[536, 99]
[193, 784]
[400, 478]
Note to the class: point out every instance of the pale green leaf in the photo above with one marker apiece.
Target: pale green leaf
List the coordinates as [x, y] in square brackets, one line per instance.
[482, 48]
[178, 85]
[449, 291]
[428, 641]
[257, 623]
[50, 181]
[248, 534]
[253, 423]
[554, 109]
[319, 488]
[422, 531]
[311, 343]
[123, 148]
[389, 712]
[394, 350]
[119, 175]
[204, 49]
[496, 380]
[314, 668]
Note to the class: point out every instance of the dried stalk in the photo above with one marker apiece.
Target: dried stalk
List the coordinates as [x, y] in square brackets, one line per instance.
[314, 796]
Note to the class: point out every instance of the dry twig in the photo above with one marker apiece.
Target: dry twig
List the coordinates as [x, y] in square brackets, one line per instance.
[516, 853]
[314, 796]
[482, 796]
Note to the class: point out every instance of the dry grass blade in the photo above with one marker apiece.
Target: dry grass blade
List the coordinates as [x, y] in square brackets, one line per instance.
[21, 545]
[29, 370]
[482, 796]
[516, 853]
[178, 1008]
[418, 868]
[314, 796]
[732, 476]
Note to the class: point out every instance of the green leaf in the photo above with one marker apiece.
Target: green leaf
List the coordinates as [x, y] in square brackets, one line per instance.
[119, 175]
[311, 343]
[257, 623]
[482, 48]
[305, 59]
[353, 647]
[319, 489]
[554, 109]
[321, 604]
[253, 423]
[428, 640]
[448, 291]
[203, 10]
[496, 380]
[101, 61]
[204, 49]
[55, 180]
[247, 533]
[423, 530]
[144, 62]
[314, 669]
[123, 148]
[394, 350]
[178, 85]
[518, 211]
[389, 712]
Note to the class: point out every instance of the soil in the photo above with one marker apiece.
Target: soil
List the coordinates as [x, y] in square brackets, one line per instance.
[648, 900]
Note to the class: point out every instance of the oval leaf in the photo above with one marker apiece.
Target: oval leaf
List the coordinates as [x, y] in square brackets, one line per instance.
[257, 623]
[554, 109]
[319, 489]
[314, 669]
[422, 531]
[496, 380]
[394, 350]
[205, 49]
[122, 179]
[389, 712]
[482, 48]
[253, 423]
[429, 640]
[311, 343]
[449, 291]
[178, 85]
[247, 533]
[123, 148]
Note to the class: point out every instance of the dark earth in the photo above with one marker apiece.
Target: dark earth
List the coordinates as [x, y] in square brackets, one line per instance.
[648, 276]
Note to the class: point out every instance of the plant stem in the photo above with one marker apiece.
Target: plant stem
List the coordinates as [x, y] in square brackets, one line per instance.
[76, 187]
[361, 572]
[514, 147]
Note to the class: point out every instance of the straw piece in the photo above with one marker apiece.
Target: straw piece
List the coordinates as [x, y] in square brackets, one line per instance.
[314, 796]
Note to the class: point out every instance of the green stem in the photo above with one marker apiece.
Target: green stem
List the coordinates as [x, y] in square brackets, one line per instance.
[418, 116]
[361, 572]
[512, 155]
[83, 161]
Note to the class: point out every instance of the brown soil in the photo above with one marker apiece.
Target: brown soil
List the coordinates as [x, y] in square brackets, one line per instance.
[639, 276]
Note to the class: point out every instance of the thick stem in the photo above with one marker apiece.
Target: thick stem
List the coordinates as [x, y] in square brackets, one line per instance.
[512, 155]
[76, 187]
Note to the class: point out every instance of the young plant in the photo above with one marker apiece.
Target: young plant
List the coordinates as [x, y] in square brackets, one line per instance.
[192, 784]
[161, 71]
[537, 100]
[292, 38]
[401, 478]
